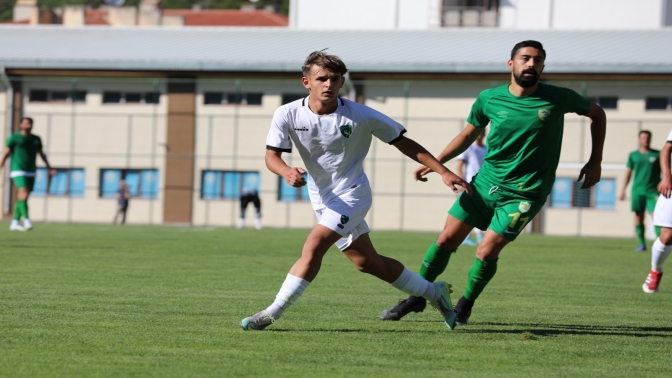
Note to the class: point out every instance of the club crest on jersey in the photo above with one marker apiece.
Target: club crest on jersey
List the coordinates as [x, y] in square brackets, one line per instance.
[346, 130]
[652, 159]
[544, 114]
[524, 207]
[344, 219]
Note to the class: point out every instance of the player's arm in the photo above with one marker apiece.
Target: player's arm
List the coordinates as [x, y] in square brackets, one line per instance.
[418, 153]
[5, 155]
[460, 143]
[275, 164]
[592, 171]
[626, 180]
[665, 186]
[51, 171]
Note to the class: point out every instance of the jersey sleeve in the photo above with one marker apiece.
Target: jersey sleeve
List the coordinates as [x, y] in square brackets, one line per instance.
[278, 136]
[39, 144]
[477, 115]
[669, 136]
[631, 162]
[383, 127]
[10, 142]
[575, 103]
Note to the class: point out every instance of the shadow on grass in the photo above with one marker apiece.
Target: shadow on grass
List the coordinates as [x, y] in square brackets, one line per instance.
[570, 329]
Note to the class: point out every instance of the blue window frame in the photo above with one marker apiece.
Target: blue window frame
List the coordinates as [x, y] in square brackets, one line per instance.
[288, 193]
[67, 182]
[142, 183]
[227, 184]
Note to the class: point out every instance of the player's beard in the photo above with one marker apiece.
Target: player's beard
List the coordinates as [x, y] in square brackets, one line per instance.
[527, 81]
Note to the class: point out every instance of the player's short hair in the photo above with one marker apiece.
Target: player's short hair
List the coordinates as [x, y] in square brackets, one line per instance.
[528, 43]
[324, 60]
[27, 119]
[645, 132]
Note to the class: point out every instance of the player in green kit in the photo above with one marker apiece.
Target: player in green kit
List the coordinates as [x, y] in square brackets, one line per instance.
[526, 124]
[23, 147]
[645, 162]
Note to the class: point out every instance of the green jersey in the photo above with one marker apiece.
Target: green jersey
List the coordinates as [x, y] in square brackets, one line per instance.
[525, 135]
[647, 170]
[24, 152]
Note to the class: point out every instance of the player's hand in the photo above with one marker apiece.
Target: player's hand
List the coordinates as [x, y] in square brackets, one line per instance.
[52, 172]
[420, 173]
[451, 179]
[665, 187]
[294, 177]
[592, 172]
[621, 197]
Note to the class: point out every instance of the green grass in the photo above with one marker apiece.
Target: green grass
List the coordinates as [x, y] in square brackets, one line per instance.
[92, 300]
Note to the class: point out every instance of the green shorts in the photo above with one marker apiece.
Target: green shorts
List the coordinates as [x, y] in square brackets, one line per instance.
[24, 182]
[642, 202]
[489, 206]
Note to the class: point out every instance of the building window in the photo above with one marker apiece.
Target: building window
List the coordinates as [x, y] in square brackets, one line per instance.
[130, 97]
[220, 98]
[289, 193]
[43, 95]
[658, 103]
[142, 183]
[605, 102]
[290, 97]
[567, 193]
[468, 13]
[67, 182]
[227, 184]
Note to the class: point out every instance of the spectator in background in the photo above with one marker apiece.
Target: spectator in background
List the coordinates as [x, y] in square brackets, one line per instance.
[250, 194]
[123, 196]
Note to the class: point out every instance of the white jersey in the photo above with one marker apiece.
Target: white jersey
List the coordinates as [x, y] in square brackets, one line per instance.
[473, 160]
[332, 146]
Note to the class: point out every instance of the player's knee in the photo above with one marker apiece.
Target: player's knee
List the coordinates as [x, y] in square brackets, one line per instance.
[447, 241]
[364, 265]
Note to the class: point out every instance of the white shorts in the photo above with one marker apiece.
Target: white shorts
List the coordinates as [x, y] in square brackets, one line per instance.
[345, 215]
[662, 215]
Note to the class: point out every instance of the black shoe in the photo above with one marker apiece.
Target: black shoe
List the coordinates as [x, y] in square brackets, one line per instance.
[405, 306]
[463, 310]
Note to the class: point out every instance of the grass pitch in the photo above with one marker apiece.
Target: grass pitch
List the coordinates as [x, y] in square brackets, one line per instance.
[93, 300]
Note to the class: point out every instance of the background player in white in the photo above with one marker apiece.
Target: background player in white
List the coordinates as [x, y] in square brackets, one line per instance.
[333, 136]
[468, 164]
[662, 217]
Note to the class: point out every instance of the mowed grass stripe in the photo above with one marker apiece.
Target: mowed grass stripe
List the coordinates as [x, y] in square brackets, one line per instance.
[94, 300]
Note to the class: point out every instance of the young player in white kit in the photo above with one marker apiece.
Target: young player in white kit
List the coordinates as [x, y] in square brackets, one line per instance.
[662, 217]
[333, 136]
[468, 164]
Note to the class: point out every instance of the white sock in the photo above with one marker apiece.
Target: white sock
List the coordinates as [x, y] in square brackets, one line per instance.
[411, 283]
[290, 291]
[659, 253]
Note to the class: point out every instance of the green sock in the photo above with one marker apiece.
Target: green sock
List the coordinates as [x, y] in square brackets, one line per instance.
[435, 262]
[480, 274]
[23, 208]
[17, 210]
[657, 231]
[639, 230]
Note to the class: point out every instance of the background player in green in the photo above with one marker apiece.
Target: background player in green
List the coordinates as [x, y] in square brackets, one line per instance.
[526, 124]
[645, 162]
[24, 146]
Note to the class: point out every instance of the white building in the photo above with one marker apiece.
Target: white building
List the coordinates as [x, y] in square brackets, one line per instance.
[503, 14]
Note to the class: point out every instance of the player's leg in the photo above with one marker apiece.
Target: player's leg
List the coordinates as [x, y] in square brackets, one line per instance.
[465, 213]
[302, 273]
[124, 209]
[257, 207]
[244, 201]
[363, 254]
[20, 206]
[662, 246]
[30, 184]
[512, 213]
[638, 206]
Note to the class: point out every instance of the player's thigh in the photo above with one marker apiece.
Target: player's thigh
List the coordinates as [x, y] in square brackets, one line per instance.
[651, 200]
[512, 214]
[491, 246]
[345, 216]
[476, 209]
[453, 233]
[638, 203]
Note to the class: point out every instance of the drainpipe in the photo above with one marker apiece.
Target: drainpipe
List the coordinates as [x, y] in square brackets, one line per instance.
[8, 131]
